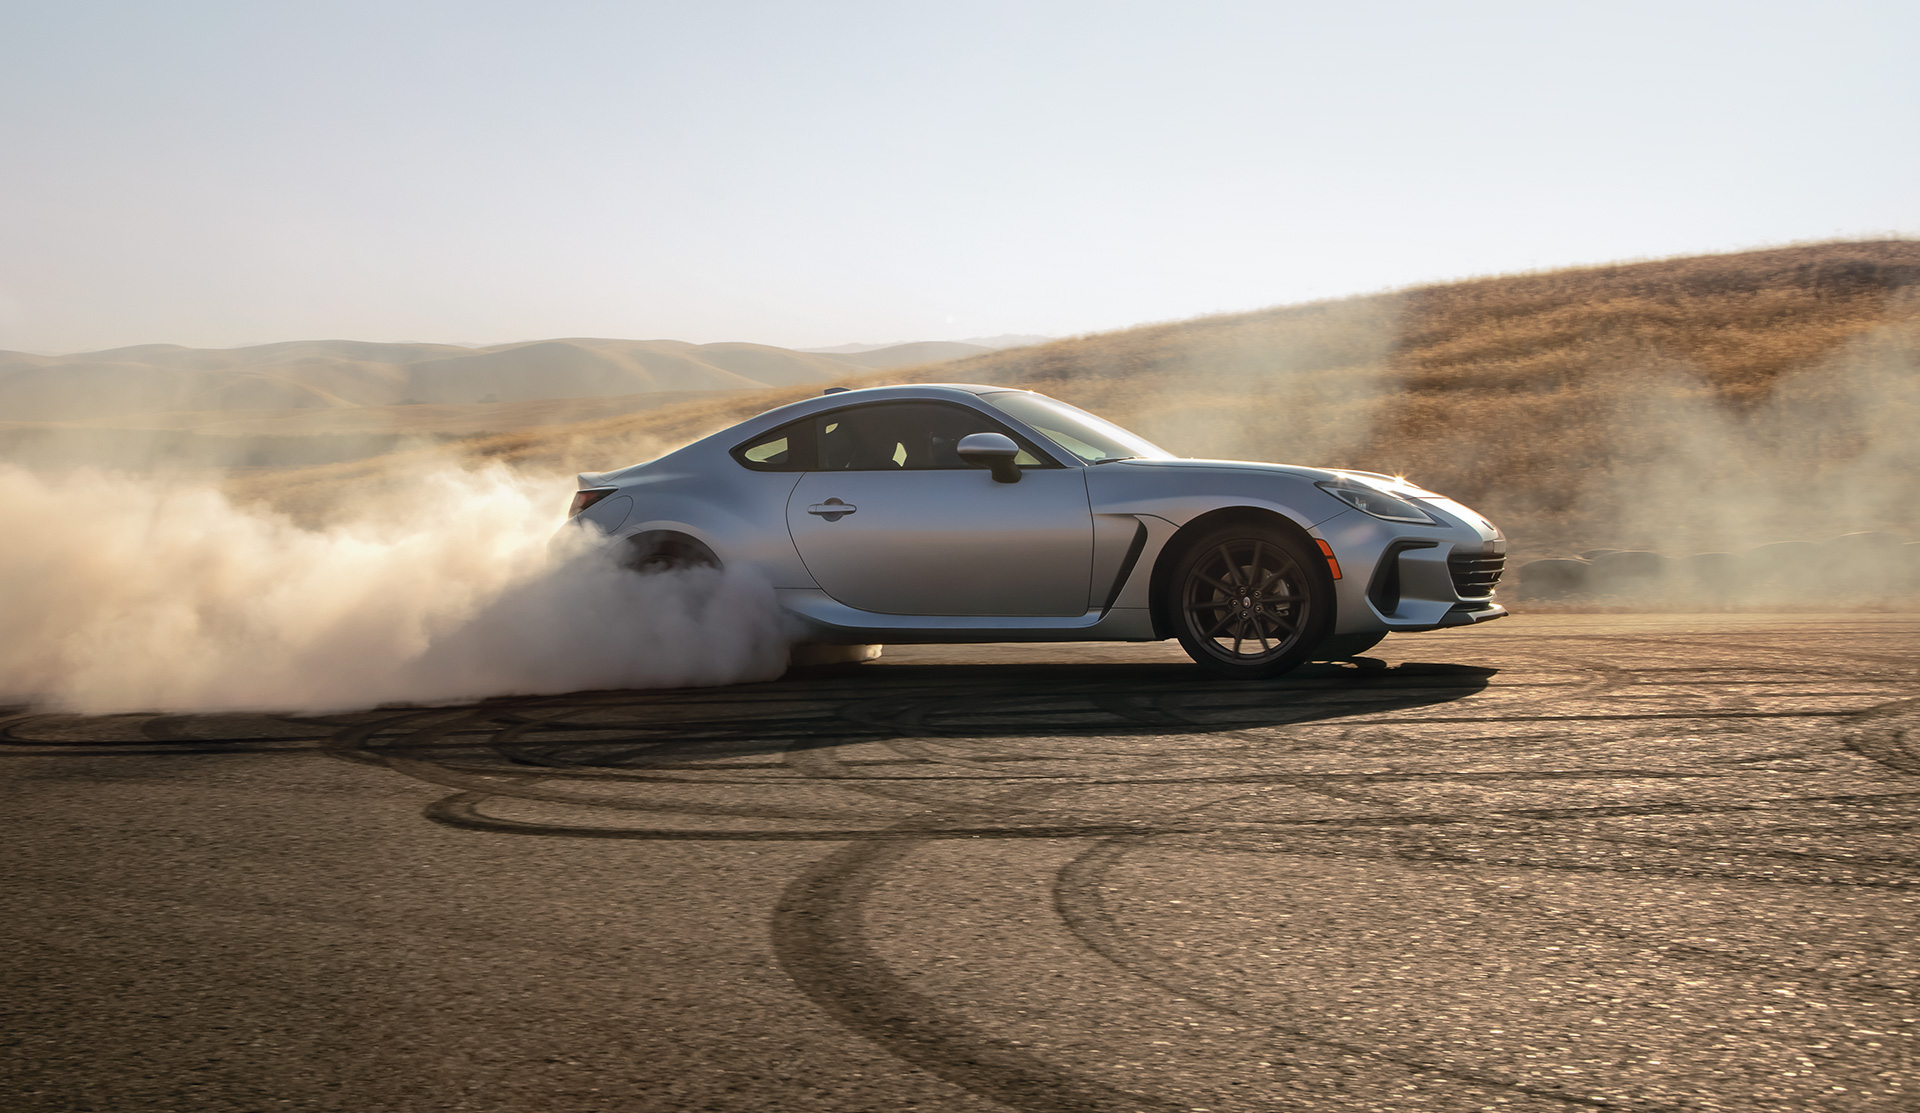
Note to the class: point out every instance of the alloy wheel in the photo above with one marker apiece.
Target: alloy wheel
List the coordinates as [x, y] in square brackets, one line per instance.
[1246, 601]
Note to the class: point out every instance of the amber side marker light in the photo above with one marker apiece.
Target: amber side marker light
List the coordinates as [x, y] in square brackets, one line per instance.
[584, 499]
[1326, 550]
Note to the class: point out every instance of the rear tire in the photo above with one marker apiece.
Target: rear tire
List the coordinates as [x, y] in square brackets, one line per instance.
[1249, 601]
[661, 551]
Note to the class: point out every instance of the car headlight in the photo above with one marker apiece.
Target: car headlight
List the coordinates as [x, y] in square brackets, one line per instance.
[1371, 500]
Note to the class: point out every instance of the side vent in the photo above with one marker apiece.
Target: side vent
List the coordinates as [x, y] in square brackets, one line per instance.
[1384, 590]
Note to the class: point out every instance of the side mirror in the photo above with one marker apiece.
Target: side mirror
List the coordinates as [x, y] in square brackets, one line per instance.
[991, 450]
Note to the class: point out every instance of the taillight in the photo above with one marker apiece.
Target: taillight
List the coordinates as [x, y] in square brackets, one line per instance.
[584, 499]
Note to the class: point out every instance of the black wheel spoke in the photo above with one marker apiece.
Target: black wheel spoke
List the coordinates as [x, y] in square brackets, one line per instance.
[1235, 581]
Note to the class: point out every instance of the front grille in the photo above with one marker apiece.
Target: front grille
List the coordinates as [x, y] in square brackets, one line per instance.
[1475, 574]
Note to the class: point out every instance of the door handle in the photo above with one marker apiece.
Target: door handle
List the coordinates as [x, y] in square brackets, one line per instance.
[832, 510]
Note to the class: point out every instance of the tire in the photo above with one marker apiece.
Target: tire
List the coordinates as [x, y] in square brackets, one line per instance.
[1249, 601]
[659, 551]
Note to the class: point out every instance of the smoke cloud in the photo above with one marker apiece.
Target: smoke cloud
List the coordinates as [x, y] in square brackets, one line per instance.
[1803, 499]
[1833, 449]
[1301, 386]
[143, 593]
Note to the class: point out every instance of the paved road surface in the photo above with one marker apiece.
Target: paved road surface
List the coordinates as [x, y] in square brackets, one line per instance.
[1555, 863]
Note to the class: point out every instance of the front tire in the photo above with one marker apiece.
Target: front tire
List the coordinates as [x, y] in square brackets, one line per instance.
[1249, 601]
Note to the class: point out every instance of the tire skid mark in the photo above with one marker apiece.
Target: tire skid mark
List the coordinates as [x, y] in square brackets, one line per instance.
[462, 810]
[515, 782]
[1725, 957]
[529, 786]
[1793, 661]
[468, 815]
[1080, 906]
[1537, 853]
[246, 748]
[821, 765]
[1890, 735]
[820, 941]
[949, 753]
[1299, 842]
[954, 751]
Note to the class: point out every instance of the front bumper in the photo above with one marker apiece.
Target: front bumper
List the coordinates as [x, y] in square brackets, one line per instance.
[1466, 614]
[1404, 579]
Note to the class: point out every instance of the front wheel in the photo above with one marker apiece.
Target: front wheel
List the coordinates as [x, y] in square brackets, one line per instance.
[1249, 601]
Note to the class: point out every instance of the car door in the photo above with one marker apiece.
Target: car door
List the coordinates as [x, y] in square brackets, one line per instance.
[893, 522]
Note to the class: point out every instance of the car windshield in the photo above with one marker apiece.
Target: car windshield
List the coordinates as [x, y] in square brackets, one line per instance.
[1092, 439]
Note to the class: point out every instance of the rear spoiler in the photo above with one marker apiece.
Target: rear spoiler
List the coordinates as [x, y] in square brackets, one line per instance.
[591, 479]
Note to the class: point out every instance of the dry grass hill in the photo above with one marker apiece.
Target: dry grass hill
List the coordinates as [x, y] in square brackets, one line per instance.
[313, 402]
[332, 374]
[914, 355]
[1684, 405]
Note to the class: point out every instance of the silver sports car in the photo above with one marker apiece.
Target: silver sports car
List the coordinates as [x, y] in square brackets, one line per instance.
[945, 513]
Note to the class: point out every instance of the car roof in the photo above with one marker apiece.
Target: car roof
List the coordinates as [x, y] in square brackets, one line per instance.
[951, 392]
[726, 439]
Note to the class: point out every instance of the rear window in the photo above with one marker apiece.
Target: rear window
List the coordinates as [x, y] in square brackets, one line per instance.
[788, 448]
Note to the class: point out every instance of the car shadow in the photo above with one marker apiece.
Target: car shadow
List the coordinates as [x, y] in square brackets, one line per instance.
[806, 709]
[838, 705]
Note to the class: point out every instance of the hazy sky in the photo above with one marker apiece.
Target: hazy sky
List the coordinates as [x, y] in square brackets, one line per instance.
[810, 173]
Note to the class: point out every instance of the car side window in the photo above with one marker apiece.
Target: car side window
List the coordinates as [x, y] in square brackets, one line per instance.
[905, 436]
[788, 448]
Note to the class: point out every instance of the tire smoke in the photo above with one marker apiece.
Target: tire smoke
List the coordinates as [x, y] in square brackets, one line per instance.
[142, 593]
[1805, 498]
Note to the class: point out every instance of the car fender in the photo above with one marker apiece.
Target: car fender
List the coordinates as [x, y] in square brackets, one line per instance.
[1188, 491]
[1182, 490]
[742, 518]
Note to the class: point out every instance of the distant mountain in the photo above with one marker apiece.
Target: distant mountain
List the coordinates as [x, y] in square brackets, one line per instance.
[845, 349]
[325, 374]
[992, 343]
[1008, 340]
[912, 355]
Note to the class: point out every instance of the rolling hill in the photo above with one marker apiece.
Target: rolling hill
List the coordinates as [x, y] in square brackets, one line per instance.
[339, 374]
[1684, 404]
[913, 355]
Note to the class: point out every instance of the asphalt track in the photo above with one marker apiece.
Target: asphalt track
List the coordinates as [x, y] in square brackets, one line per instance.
[1554, 863]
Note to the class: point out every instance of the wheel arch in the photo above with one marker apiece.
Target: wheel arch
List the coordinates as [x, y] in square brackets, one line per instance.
[1176, 545]
[670, 548]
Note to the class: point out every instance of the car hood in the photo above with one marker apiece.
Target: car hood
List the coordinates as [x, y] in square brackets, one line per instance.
[1451, 511]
